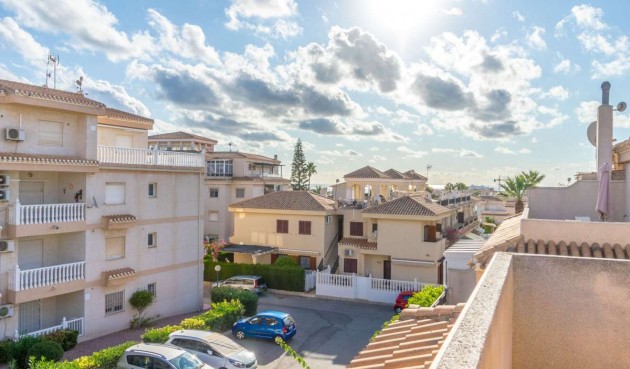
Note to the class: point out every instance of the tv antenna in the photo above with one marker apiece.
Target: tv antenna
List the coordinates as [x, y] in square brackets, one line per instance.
[498, 180]
[230, 144]
[79, 83]
[54, 60]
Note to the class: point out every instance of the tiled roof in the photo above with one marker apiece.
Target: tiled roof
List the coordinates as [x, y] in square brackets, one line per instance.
[45, 93]
[180, 135]
[366, 172]
[412, 173]
[119, 273]
[361, 243]
[239, 154]
[508, 233]
[408, 205]
[6, 157]
[411, 342]
[393, 173]
[120, 218]
[123, 115]
[490, 198]
[288, 200]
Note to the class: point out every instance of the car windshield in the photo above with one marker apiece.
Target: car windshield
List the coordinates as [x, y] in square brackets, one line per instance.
[288, 321]
[186, 361]
[261, 281]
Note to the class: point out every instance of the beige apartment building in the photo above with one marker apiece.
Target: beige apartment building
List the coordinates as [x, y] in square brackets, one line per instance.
[230, 176]
[90, 215]
[368, 185]
[298, 224]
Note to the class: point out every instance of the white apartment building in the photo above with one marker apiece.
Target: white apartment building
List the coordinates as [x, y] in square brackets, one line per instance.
[89, 215]
[231, 176]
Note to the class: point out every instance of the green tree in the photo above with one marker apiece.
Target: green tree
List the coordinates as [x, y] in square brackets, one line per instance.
[517, 186]
[310, 170]
[459, 186]
[299, 174]
[141, 300]
[532, 177]
[449, 187]
[429, 189]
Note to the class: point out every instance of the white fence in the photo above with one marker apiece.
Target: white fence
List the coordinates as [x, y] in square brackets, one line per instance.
[363, 288]
[310, 278]
[21, 280]
[74, 324]
[45, 213]
[121, 155]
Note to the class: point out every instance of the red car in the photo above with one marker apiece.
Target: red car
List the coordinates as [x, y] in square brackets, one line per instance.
[402, 301]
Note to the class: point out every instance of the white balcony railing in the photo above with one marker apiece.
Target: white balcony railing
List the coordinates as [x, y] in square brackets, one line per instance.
[121, 155]
[46, 213]
[20, 280]
[74, 324]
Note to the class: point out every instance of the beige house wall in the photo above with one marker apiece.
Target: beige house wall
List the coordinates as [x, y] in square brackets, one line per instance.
[461, 283]
[404, 239]
[107, 136]
[421, 273]
[573, 230]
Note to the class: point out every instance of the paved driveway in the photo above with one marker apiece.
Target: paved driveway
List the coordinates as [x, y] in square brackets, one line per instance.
[330, 333]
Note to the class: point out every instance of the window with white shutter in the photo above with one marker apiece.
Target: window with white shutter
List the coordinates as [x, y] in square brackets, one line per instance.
[114, 247]
[50, 133]
[114, 193]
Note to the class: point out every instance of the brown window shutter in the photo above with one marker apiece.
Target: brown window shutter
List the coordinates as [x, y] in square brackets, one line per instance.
[313, 263]
[438, 227]
[274, 257]
[431, 234]
[278, 226]
[308, 227]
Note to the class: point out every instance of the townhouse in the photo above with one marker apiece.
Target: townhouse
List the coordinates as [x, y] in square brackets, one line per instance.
[91, 216]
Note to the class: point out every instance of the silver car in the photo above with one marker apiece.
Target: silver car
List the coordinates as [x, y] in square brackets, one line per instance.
[253, 283]
[213, 349]
[156, 356]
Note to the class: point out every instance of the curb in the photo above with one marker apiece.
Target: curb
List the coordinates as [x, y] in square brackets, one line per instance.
[314, 296]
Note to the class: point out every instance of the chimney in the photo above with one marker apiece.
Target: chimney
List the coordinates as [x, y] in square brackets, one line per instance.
[275, 157]
[604, 128]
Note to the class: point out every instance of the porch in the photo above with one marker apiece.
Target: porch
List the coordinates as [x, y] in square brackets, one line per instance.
[152, 157]
[43, 316]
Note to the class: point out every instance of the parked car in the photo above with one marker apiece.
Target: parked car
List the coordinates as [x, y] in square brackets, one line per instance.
[268, 324]
[213, 349]
[251, 283]
[156, 356]
[402, 301]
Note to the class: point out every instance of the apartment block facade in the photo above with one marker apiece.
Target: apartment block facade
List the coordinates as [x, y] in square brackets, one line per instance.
[91, 216]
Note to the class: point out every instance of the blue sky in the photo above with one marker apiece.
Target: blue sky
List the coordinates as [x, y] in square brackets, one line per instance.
[476, 89]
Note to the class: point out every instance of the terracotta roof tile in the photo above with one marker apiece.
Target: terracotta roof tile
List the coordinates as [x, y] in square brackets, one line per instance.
[119, 273]
[6, 157]
[239, 154]
[288, 200]
[411, 342]
[180, 135]
[361, 243]
[408, 205]
[491, 198]
[412, 173]
[123, 115]
[508, 233]
[393, 173]
[45, 93]
[120, 218]
[366, 172]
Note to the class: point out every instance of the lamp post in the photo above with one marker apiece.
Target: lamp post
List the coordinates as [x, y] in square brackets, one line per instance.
[217, 269]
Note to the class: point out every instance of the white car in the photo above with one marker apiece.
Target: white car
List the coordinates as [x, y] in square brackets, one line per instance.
[156, 356]
[213, 349]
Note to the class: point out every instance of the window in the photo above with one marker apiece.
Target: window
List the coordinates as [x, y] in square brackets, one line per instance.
[282, 226]
[305, 262]
[114, 193]
[114, 302]
[152, 239]
[219, 168]
[153, 189]
[349, 265]
[356, 229]
[50, 133]
[213, 216]
[152, 287]
[374, 227]
[214, 192]
[329, 219]
[114, 248]
[240, 193]
[305, 227]
[271, 322]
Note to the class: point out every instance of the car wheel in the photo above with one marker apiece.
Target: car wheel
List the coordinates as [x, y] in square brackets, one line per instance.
[239, 335]
[398, 310]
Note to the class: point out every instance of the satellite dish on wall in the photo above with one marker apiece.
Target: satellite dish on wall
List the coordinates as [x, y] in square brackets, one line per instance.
[591, 133]
[621, 106]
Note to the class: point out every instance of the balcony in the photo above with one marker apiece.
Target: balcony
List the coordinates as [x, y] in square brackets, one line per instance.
[74, 324]
[32, 220]
[145, 157]
[26, 285]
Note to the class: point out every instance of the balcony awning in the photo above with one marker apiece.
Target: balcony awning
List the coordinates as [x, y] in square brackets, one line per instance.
[298, 252]
[361, 243]
[117, 277]
[411, 262]
[118, 221]
[42, 162]
[249, 249]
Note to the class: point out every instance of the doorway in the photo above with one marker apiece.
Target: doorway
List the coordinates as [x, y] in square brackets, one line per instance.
[30, 316]
[31, 192]
[31, 254]
[340, 228]
[387, 269]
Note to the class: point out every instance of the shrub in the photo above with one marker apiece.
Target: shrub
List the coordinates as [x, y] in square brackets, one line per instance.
[427, 296]
[6, 346]
[193, 323]
[49, 350]
[247, 298]
[67, 338]
[19, 350]
[104, 359]
[141, 300]
[285, 261]
[159, 335]
[222, 316]
[49, 364]
[288, 278]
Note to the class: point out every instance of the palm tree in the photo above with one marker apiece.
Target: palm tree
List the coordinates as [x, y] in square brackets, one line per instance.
[318, 189]
[459, 186]
[515, 188]
[449, 187]
[310, 170]
[533, 177]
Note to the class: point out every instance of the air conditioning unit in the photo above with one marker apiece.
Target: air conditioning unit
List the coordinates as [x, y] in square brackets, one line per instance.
[15, 134]
[4, 180]
[348, 252]
[7, 245]
[6, 311]
[4, 194]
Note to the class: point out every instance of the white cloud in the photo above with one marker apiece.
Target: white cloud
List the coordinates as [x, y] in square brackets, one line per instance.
[453, 11]
[260, 17]
[588, 16]
[423, 130]
[21, 41]
[518, 16]
[456, 152]
[535, 38]
[533, 140]
[586, 112]
[504, 150]
[565, 66]
[556, 92]
[119, 94]
[410, 153]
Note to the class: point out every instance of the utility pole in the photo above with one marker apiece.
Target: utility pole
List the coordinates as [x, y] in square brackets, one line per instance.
[429, 166]
[498, 180]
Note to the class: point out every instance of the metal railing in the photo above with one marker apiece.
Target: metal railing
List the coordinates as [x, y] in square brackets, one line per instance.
[20, 280]
[121, 155]
[45, 213]
[74, 324]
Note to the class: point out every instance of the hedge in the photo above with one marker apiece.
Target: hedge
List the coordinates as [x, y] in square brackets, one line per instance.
[247, 298]
[427, 296]
[46, 349]
[288, 278]
[104, 359]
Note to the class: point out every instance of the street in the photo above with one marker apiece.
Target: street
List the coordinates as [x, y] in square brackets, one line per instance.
[330, 333]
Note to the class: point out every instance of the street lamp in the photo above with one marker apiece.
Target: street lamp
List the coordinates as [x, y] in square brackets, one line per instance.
[217, 268]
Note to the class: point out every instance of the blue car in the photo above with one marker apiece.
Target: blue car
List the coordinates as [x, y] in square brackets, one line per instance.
[268, 324]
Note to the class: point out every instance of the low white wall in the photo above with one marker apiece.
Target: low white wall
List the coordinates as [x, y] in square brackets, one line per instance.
[568, 231]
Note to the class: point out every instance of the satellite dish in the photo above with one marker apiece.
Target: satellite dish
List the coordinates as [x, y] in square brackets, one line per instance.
[591, 133]
[621, 106]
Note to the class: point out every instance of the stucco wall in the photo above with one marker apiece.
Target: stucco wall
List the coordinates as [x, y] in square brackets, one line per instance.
[568, 231]
[107, 136]
[460, 283]
[405, 239]
[571, 312]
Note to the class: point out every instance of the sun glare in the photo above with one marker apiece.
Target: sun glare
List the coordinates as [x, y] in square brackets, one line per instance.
[401, 15]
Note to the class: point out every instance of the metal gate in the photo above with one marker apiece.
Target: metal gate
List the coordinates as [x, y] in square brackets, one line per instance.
[30, 317]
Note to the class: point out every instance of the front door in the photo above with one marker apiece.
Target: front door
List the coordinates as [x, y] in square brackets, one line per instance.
[440, 276]
[31, 254]
[387, 269]
[31, 192]
[30, 316]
